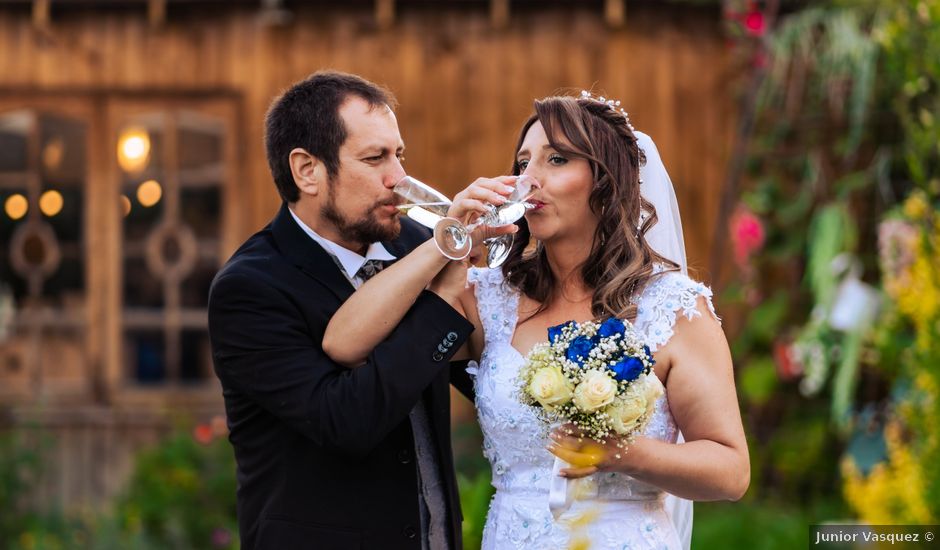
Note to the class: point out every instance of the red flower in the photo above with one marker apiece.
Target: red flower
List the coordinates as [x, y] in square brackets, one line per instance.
[203, 434]
[788, 368]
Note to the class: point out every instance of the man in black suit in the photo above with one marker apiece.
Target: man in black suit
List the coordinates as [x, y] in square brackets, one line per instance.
[330, 457]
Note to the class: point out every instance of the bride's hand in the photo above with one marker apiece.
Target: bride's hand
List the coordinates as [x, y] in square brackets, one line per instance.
[588, 456]
[476, 199]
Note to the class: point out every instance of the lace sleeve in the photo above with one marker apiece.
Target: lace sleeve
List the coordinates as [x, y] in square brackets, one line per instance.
[664, 297]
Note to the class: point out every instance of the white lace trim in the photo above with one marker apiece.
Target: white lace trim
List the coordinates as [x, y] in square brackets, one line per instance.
[662, 298]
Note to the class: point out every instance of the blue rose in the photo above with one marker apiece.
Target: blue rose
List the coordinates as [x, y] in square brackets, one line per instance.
[649, 354]
[627, 370]
[578, 349]
[610, 327]
[555, 331]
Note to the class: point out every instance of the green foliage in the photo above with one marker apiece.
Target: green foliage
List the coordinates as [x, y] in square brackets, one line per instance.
[835, 150]
[19, 468]
[769, 526]
[759, 380]
[182, 494]
[814, 164]
[475, 495]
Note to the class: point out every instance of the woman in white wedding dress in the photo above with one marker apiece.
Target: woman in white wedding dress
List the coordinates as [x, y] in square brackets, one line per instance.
[580, 254]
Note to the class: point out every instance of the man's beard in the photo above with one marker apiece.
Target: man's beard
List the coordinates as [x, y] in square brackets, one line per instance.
[366, 230]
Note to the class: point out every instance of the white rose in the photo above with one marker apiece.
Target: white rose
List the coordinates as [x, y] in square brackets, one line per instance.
[625, 414]
[654, 390]
[596, 390]
[549, 387]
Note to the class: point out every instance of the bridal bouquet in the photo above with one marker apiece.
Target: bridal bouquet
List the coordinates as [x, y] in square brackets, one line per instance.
[598, 377]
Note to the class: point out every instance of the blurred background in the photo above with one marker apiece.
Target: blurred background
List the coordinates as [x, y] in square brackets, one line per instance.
[802, 137]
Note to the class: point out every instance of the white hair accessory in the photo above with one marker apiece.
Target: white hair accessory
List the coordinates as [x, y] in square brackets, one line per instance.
[613, 105]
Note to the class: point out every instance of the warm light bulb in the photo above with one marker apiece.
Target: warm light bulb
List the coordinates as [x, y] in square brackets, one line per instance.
[16, 206]
[125, 205]
[149, 193]
[50, 202]
[133, 149]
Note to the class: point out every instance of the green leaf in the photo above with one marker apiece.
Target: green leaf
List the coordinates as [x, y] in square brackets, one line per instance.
[759, 380]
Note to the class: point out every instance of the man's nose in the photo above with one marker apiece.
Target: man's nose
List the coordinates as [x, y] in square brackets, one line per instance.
[395, 175]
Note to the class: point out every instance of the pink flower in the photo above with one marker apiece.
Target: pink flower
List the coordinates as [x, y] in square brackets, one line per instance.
[221, 538]
[747, 235]
[754, 23]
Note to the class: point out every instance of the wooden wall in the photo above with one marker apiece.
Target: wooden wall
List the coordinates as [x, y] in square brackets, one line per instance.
[464, 88]
[463, 85]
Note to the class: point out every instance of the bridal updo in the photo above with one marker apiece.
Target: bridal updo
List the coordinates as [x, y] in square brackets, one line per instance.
[621, 262]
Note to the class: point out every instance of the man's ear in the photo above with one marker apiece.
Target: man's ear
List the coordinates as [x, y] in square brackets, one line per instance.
[309, 171]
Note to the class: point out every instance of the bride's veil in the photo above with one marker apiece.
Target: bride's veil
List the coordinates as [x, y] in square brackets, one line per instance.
[666, 238]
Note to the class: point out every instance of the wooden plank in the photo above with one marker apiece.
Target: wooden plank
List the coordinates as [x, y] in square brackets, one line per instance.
[615, 13]
[156, 13]
[385, 13]
[499, 13]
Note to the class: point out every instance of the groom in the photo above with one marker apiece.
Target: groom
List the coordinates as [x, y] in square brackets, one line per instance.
[330, 457]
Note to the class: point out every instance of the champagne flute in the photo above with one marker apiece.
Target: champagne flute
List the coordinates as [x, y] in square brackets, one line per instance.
[497, 248]
[429, 207]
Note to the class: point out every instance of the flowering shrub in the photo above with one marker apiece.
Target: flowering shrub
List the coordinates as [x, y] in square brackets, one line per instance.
[905, 487]
[182, 492]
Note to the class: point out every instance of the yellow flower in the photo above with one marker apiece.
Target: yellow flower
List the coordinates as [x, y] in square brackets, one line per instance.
[596, 390]
[654, 390]
[916, 206]
[625, 413]
[549, 387]
[893, 492]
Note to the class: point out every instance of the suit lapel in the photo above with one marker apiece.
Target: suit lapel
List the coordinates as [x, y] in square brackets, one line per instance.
[308, 255]
[316, 262]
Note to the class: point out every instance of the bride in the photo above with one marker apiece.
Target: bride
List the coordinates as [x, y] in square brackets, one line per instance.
[583, 253]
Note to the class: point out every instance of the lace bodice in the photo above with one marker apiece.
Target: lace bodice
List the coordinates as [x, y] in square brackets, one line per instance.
[514, 439]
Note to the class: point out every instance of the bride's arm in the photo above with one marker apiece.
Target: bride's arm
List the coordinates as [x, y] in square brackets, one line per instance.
[713, 463]
[373, 311]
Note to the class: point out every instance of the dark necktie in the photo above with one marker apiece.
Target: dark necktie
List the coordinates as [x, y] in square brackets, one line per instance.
[369, 269]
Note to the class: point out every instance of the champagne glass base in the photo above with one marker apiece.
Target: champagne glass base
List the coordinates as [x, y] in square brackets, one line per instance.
[452, 239]
[497, 250]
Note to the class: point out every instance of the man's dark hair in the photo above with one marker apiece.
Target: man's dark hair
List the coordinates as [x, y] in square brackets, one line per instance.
[307, 116]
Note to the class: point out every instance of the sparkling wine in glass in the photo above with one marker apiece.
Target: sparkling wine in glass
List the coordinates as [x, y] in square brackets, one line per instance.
[428, 206]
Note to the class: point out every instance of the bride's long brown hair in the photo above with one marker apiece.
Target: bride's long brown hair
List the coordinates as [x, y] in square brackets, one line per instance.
[621, 262]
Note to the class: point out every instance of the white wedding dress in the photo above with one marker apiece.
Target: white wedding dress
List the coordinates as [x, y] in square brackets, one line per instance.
[614, 511]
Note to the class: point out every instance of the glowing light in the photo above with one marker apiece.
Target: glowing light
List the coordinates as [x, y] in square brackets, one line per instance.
[53, 153]
[16, 206]
[133, 149]
[149, 193]
[125, 205]
[50, 202]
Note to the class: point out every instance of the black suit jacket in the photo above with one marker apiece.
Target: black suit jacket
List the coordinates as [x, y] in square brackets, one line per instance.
[325, 454]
